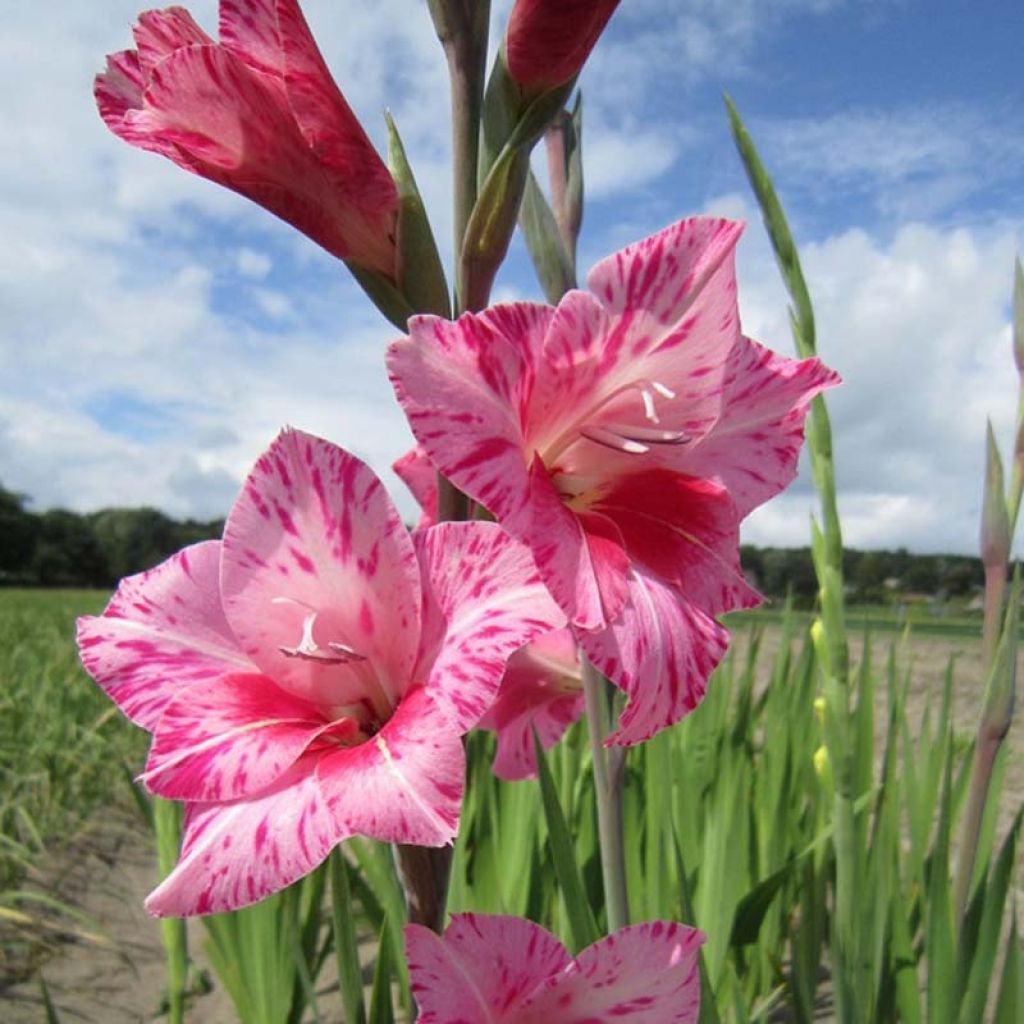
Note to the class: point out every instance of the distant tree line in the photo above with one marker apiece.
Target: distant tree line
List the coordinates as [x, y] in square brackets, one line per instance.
[871, 577]
[58, 548]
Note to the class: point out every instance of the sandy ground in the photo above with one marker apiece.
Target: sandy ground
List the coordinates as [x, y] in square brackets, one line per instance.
[122, 981]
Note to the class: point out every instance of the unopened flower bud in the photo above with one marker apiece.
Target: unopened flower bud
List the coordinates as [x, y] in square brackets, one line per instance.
[995, 523]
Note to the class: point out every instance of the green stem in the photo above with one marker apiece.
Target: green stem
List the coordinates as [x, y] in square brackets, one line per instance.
[462, 28]
[608, 790]
[985, 750]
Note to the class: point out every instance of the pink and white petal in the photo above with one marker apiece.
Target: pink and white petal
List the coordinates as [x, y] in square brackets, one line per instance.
[162, 631]
[159, 33]
[118, 93]
[645, 974]
[249, 29]
[405, 784]
[582, 562]
[326, 121]
[660, 651]
[234, 854]
[482, 969]
[540, 692]
[664, 273]
[462, 387]
[754, 446]
[684, 530]
[232, 737]
[314, 532]
[226, 121]
[418, 473]
[483, 600]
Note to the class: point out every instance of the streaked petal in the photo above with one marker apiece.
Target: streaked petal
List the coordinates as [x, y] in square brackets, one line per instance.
[482, 969]
[249, 29]
[234, 854]
[754, 446]
[684, 530]
[660, 651]
[163, 630]
[540, 692]
[232, 737]
[326, 121]
[646, 974]
[417, 472]
[582, 559]
[484, 599]
[159, 33]
[663, 274]
[462, 386]
[405, 784]
[314, 532]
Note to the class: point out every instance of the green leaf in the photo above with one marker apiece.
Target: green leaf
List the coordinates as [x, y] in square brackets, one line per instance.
[51, 1010]
[345, 945]
[381, 1008]
[421, 277]
[1010, 1002]
[166, 817]
[550, 258]
[983, 950]
[778, 232]
[582, 924]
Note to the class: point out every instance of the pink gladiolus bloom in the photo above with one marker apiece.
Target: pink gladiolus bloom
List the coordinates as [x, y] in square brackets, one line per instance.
[623, 436]
[259, 113]
[548, 41]
[542, 690]
[310, 676]
[506, 970]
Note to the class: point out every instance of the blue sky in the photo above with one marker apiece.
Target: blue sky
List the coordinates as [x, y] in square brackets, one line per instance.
[156, 331]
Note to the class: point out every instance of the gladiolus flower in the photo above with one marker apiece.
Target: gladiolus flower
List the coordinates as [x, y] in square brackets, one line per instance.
[623, 436]
[505, 970]
[310, 676]
[542, 692]
[259, 113]
[548, 41]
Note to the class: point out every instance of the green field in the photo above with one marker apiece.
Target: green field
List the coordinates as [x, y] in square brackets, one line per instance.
[65, 751]
[751, 853]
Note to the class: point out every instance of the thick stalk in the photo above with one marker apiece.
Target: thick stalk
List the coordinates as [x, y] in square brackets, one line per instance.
[424, 872]
[462, 29]
[608, 790]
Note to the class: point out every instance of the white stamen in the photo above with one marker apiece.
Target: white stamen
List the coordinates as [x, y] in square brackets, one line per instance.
[603, 436]
[648, 399]
[648, 435]
[308, 649]
[662, 390]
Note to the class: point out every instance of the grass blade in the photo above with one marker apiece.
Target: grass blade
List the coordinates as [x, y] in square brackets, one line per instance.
[582, 923]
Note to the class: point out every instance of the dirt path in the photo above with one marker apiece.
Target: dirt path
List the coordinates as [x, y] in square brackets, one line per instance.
[122, 980]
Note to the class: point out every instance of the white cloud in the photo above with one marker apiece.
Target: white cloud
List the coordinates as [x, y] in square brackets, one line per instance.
[907, 161]
[125, 281]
